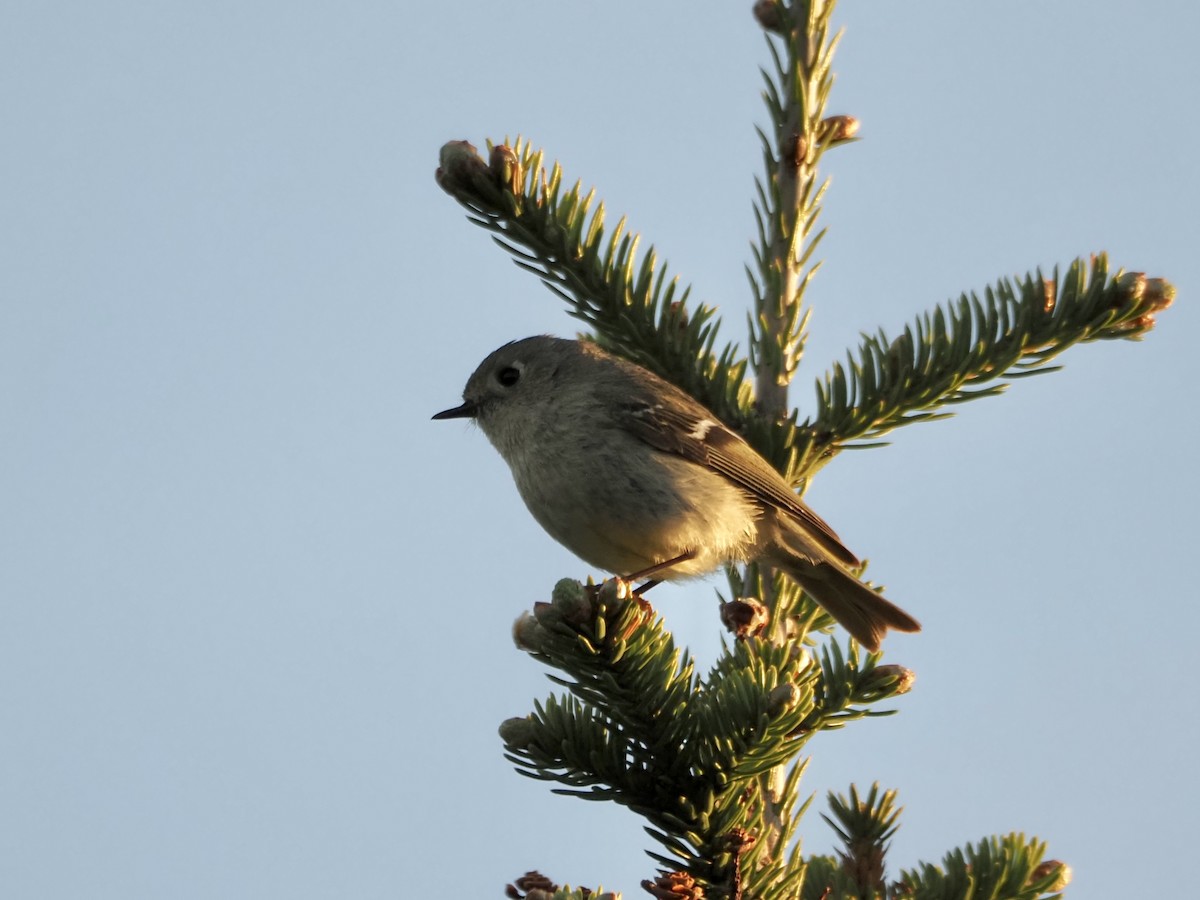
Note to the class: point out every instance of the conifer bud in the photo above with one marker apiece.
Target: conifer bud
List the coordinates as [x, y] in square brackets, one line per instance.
[836, 129]
[1049, 867]
[738, 840]
[798, 654]
[1049, 294]
[570, 599]
[1142, 323]
[1155, 293]
[534, 880]
[769, 15]
[746, 617]
[1132, 285]
[783, 698]
[795, 149]
[1136, 325]
[1160, 293]
[615, 590]
[570, 602]
[528, 634]
[506, 168]
[674, 886]
[461, 171]
[518, 732]
[892, 678]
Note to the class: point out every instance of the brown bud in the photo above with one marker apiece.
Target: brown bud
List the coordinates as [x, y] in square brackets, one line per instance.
[518, 732]
[1159, 293]
[1049, 294]
[1132, 285]
[895, 679]
[745, 617]
[547, 614]
[527, 633]
[836, 129]
[769, 15]
[535, 880]
[1141, 323]
[798, 654]
[614, 590]
[506, 168]
[1049, 867]
[674, 886]
[783, 698]
[739, 840]
[794, 149]
[460, 167]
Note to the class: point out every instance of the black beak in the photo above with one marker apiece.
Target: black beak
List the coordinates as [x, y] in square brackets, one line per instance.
[466, 411]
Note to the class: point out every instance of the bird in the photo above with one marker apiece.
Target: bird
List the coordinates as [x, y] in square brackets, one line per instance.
[636, 477]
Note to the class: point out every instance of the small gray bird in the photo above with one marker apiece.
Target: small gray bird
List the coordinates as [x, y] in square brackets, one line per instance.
[637, 478]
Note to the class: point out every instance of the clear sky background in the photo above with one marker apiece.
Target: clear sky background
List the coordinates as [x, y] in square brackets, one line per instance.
[255, 606]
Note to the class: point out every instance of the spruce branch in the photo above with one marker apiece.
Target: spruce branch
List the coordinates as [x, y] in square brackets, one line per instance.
[639, 728]
[848, 684]
[865, 827]
[827, 879]
[1008, 868]
[712, 762]
[974, 347]
[624, 295]
[844, 684]
[788, 203]
[642, 731]
[624, 670]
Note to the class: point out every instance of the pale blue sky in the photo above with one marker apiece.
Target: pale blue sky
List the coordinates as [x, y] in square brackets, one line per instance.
[255, 606]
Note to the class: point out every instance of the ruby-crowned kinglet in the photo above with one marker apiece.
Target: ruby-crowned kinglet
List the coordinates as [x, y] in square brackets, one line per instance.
[637, 478]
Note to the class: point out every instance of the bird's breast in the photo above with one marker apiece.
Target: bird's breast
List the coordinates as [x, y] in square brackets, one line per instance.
[623, 506]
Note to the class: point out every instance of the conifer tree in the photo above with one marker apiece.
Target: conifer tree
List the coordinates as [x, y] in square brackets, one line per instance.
[713, 761]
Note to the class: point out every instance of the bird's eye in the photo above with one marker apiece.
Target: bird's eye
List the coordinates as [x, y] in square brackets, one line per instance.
[508, 376]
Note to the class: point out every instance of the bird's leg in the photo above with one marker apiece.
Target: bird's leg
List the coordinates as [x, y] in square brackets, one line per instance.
[637, 592]
[658, 567]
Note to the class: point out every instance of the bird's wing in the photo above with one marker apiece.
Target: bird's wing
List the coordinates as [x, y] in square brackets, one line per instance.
[688, 430]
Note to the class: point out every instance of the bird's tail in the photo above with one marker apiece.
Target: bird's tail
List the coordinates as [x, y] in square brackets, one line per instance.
[857, 608]
[817, 560]
[865, 613]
